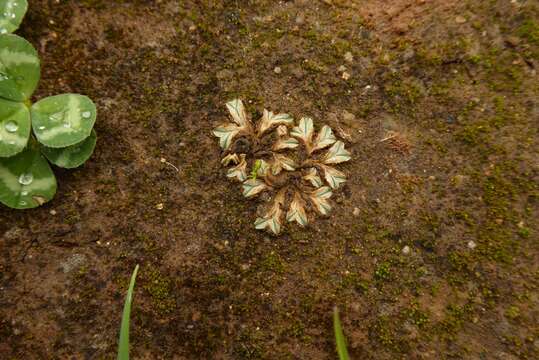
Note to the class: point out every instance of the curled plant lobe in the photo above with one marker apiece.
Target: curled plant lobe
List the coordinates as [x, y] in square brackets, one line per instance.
[290, 161]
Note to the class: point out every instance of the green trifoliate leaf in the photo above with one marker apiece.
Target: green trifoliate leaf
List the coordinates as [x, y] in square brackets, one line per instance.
[304, 131]
[226, 134]
[333, 176]
[11, 15]
[72, 156]
[19, 68]
[269, 120]
[237, 111]
[313, 178]
[63, 120]
[285, 143]
[272, 219]
[336, 154]
[252, 187]
[239, 171]
[26, 180]
[296, 212]
[14, 127]
[319, 199]
[324, 138]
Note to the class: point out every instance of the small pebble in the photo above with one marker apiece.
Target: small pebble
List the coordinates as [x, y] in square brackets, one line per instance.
[159, 206]
[345, 75]
[513, 41]
[277, 70]
[406, 250]
[401, 28]
[348, 57]
[52, 212]
[472, 245]
[356, 211]
[460, 19]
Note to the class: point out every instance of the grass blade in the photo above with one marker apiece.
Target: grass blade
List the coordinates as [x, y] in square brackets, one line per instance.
[339, 336]
[123, 346]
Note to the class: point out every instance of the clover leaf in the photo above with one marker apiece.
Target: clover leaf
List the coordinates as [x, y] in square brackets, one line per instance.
[19, 68]
[72, 156]
[63, 120]
[14, 127]
[26, 180]
[62, 125]
[11, 14]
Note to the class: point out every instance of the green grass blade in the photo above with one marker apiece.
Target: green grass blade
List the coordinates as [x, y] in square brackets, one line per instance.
[123, 346]
[339, 336]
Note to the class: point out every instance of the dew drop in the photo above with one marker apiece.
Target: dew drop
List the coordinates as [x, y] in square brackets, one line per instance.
[24, 193]
[11, 126]
[86, 114]
[41, 127]
[59, 116]
[26, 178]
[3, 31]
[67, 125]
[22, 203]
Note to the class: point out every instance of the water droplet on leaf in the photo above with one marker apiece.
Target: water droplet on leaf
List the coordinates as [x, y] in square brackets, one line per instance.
[86, 114]
[11, 126]
[26, 178]
[59, 116]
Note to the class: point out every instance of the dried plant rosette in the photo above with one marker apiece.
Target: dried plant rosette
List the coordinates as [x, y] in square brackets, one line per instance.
[287, 161]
